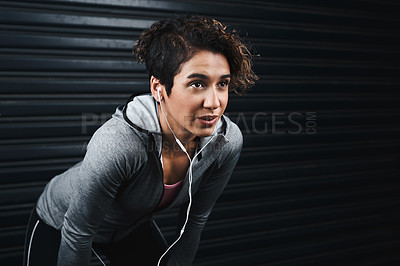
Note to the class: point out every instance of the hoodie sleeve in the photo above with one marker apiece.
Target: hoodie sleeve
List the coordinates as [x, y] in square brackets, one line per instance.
[185, 250]
[104, 168]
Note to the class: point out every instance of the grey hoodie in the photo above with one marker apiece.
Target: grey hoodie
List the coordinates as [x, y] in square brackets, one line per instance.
[119, 184]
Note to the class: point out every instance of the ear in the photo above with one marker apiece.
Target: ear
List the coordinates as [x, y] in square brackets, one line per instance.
[154, 85]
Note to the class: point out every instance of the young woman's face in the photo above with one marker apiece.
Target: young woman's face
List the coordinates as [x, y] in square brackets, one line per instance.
[199, 95]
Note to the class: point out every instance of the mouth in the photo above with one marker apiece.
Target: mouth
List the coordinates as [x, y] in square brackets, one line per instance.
[208, 120]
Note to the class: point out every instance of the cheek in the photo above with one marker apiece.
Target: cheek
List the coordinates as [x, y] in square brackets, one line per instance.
[187, 107]
[224, 101]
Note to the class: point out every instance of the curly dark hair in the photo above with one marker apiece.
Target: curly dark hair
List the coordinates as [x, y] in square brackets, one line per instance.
[169, 43]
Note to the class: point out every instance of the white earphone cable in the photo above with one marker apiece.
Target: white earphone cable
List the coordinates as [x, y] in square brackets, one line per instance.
[190, 179]
[173, 133]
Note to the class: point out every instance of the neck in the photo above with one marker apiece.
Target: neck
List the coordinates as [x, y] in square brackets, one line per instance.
[170, 147]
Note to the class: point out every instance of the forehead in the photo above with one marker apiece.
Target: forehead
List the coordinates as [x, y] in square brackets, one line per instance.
[206, 62]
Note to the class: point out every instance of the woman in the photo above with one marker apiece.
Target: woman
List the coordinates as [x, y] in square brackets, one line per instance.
[170, 148]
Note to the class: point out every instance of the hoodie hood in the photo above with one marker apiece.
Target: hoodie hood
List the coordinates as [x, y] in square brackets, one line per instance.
[142, 111]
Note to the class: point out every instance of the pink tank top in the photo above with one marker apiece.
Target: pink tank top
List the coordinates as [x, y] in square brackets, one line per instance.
[170, 192]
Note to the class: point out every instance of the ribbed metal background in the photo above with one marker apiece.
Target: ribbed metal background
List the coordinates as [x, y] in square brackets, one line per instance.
[318, 179]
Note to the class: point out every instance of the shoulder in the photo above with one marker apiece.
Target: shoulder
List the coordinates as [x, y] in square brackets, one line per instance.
[233, 143]
[116, 138]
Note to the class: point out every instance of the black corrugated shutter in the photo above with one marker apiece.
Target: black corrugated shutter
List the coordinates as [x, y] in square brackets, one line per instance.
[318, 179]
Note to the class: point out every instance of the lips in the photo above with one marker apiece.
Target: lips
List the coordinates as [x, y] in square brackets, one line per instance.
[208, 117]
[208, 120]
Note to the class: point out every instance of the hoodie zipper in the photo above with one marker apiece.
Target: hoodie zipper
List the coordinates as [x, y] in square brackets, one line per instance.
[160, 171]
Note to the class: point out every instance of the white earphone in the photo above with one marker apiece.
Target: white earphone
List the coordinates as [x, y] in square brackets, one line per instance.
[190, 176]
[159, 95]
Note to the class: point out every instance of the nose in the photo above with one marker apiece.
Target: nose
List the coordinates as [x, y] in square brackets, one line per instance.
[211, 100]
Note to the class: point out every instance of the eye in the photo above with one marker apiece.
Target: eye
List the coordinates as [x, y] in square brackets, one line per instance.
[224, 84]
[197, 85]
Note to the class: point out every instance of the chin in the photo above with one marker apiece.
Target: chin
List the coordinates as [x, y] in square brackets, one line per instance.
[205, 132]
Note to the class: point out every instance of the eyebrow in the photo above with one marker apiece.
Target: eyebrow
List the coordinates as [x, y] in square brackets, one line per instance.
[202, 76]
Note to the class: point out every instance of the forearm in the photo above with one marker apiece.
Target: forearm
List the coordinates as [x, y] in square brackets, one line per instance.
[73, 252]
[184, 252]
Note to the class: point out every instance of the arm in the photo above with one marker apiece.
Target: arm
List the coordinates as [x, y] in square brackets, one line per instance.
[203, 201]
[104, 168]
